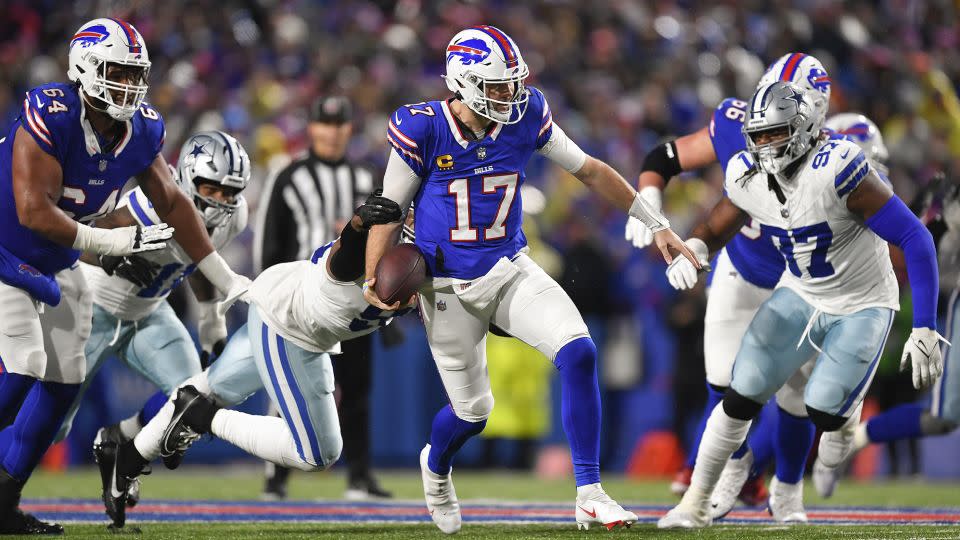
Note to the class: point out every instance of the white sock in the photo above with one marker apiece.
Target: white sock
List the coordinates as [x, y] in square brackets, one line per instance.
[266, 437]
[836, 446]
[129, 427]
[721, 437]
[148, 440]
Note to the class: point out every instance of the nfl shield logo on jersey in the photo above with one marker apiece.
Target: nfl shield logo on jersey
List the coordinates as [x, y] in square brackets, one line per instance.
[441, 305]
[482, 152]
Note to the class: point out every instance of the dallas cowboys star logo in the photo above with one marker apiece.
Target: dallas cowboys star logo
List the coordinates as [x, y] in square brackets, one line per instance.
[198, 149]
[795, 96]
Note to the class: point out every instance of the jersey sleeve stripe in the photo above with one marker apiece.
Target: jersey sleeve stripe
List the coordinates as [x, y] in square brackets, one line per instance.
[848, 170]
[32, 125]
[401, 137]
[404, 151]
[546, 125]
[854, 180]
[138, 210]
[39, 120]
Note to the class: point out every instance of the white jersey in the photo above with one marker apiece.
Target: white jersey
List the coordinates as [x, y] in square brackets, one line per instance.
[130, 302]
[834, 262]
[302, 302]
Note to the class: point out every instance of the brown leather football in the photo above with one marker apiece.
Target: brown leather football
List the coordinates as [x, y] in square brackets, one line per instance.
[400, 273]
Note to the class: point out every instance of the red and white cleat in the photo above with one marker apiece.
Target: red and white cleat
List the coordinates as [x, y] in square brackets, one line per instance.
[595, 507]
[681, 481]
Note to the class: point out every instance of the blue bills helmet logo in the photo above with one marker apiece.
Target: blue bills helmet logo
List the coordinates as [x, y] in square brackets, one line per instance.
[857, 132]
[90, 35]
[818, 79]
[469, 51]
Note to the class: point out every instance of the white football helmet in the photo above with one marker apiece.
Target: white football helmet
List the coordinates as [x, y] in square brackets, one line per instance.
[482, 56]
[216, 158]
[99, 44]
[781, 106]
[805, 71]
[861, 130]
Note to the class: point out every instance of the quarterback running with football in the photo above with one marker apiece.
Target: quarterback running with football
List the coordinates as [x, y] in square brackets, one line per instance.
[299, 313]
[64, 163]
[462, 160]
[830, 216]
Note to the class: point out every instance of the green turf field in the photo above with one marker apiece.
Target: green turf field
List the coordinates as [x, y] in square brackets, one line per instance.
[245, 483]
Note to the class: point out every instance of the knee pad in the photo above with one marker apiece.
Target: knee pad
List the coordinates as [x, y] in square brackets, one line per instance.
[740, 407]
[934, 425]
[826, 421]
[477, 409]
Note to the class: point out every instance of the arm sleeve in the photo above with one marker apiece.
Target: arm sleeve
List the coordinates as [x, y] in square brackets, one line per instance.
[400, 181]
[563, 151]
[897, 225]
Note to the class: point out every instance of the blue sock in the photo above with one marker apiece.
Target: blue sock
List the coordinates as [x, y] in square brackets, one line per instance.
[714, 396]
[795, 436]
[23, 444]
[13, 389]
[901, 422]
[762, 440]
[152, 407]
[580, 407]
[447, 436]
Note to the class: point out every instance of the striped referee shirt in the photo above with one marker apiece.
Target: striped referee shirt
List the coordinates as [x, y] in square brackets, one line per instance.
[303, 205]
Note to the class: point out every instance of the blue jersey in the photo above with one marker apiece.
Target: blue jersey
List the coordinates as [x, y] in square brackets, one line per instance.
[751, 253]
[468, 206]
[53, 115]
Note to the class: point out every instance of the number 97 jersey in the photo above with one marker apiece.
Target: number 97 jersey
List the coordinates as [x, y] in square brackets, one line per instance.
[469, 212]
[833, 261]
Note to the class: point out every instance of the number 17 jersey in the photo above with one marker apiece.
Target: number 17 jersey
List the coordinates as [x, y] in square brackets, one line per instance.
[468, 207]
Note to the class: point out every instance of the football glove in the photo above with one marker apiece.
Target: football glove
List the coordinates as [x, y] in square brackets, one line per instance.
[922, 354]
[681, 273]
[378, 210]
[137, 270]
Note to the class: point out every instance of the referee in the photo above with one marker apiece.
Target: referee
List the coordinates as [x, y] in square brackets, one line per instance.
[306, 206]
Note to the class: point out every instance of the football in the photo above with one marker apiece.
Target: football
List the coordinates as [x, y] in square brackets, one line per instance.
[400, 273]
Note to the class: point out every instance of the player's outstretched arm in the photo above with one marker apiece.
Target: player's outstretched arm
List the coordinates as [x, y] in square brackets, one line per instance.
[173, 206]
[708, 237]
[887, 216]
[38, 185]
[667, 160]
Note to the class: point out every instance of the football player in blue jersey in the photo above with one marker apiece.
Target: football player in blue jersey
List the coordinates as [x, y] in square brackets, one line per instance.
[742, 277]
[461, 160]
[64, 163]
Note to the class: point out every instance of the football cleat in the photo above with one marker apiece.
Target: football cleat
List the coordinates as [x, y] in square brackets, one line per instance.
[786, 502]
[19, 523]
[182, 430]
[825, 479]
[440, 496]
[680, 517]
[365, 489]
[114, 434]
[732, 480]
[681, 481]
[115, 485]
[596, 507]
[754, 492]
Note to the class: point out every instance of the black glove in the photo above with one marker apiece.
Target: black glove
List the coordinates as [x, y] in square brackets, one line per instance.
[132, 268]
[208, 357]
[378, 210]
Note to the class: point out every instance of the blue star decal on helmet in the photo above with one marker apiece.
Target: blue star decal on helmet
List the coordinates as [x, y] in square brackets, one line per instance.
[795, 96]
[198, 149]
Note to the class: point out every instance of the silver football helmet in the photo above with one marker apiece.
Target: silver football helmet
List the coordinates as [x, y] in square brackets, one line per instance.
[780, 108]
[216, 158]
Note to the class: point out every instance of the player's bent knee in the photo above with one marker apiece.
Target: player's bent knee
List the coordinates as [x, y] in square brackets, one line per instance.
[740, 407]
[579, 353]
[330, 451]
[477, 409]
[824, 420]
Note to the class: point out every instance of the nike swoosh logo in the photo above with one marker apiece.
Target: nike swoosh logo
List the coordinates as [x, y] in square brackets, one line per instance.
[587, 512]
[113, 484]
[39, 105]
[844, 155]
[397, 118]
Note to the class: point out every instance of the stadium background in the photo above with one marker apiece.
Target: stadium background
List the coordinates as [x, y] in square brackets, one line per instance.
[620, 76]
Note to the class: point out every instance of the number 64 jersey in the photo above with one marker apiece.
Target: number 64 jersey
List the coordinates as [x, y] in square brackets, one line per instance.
[834, 262]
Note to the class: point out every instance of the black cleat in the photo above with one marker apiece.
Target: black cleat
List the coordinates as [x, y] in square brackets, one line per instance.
[19, 522]
[275, 487]
[361, 489]
[192, 414]
[115, 485]
[115, 435]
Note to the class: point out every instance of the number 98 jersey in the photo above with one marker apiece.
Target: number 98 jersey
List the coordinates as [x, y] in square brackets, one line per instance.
[53, 115]
[469, 212]
[302, 302]
[833, 261]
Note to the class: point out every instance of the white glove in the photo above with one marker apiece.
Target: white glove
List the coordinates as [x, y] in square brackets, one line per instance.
[922, 354]
[681, 273]
[123, 240]
[636, 232]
